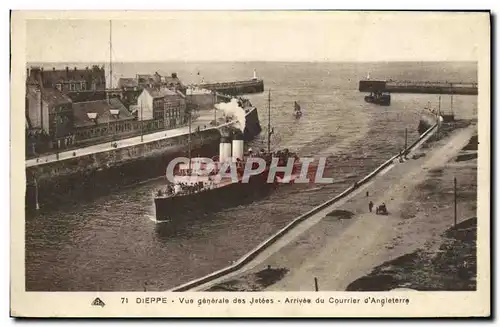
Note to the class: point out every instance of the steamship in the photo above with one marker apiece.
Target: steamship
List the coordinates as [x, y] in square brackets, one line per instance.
[198, 187]
[430, 117]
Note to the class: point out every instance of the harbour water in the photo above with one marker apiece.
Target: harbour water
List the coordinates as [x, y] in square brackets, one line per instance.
[112, 243]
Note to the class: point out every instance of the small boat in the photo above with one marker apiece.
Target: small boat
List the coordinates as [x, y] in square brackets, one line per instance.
[380, 98]
[297, 110]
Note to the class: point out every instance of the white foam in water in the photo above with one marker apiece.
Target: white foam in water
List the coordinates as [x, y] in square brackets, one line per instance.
[153, 219]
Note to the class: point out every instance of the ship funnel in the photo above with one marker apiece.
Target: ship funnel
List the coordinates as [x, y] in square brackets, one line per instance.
[224, 149]
[238, 146]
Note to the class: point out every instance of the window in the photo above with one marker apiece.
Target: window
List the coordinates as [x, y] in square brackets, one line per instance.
[59, 87]
[83, 85]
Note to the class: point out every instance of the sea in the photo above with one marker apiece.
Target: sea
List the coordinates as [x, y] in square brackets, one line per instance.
[113, 243]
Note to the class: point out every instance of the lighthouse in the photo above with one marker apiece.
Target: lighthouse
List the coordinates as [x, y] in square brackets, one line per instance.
[254, 74]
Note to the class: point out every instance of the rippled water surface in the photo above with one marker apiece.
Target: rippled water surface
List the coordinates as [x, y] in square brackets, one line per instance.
[113, 244]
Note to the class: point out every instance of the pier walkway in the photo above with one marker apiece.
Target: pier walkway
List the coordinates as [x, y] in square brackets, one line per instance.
[338, 251]
[203, 120]
[428, 87]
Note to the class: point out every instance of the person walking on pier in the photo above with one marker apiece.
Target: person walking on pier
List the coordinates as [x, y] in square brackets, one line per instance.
[370, 206]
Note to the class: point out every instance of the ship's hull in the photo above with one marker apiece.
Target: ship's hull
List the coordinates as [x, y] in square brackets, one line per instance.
[176, 208]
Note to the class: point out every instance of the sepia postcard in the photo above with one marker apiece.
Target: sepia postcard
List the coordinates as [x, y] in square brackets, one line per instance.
[250, 164]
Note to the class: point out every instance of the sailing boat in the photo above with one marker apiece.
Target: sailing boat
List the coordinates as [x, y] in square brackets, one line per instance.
[297, 110]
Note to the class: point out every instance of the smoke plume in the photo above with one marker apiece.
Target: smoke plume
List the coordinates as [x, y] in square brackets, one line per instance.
[232, 109]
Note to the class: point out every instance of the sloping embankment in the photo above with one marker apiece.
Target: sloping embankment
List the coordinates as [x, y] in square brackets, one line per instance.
[448, 261]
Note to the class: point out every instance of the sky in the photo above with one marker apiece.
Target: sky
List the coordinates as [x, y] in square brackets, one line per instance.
[257, 36]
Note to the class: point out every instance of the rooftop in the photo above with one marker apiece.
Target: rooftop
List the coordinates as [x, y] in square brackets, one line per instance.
[49, 95]
[51, 77]
[54, 96]
[127, 82]
[159, 92]
[84, 111]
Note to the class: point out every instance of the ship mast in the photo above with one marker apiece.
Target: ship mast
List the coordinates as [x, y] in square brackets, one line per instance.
[110, 57]
[269, 132]
[189, 132]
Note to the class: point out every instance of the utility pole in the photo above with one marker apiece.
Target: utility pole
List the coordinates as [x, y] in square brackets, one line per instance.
[438, 115]
[451, 106]
[56, 118]
[215, 110]
[189, 136]
[269, 123]
[406, 139]
[142, 137]
[455, 200]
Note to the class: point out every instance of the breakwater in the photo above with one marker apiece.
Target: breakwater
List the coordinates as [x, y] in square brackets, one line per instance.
[236, 88]
[418, 87]
[49, 184]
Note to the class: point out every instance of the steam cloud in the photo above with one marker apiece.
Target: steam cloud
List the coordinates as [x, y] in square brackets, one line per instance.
[233, 109]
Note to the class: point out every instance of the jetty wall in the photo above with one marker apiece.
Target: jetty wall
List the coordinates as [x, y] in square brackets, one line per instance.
[418, 87]
[236, 88]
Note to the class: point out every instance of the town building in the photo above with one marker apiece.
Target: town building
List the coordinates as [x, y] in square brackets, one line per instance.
[132, 87]
[201, 99]
[162, 103]
[49, 119]
[71, 80]
[102, 120]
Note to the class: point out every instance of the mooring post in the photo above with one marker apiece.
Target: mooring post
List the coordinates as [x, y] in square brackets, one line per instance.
[455, 199]
[316, 284]
[37, 204]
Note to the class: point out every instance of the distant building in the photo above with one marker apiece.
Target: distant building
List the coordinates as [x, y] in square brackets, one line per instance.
[202, 99]
[162, 103]
[132, 87]
[71, 80]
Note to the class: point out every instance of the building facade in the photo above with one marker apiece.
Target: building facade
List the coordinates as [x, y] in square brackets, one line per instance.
[132, 87]
[49, 119]
[101, 120]
[162, 104]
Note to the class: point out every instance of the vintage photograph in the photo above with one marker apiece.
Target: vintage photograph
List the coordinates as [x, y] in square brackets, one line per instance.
[242, 151]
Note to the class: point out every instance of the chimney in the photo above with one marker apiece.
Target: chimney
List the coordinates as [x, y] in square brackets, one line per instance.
[224, 149]
[75, 69]
[67, 71]
[53, 69]
[238, 145]
[174, 75]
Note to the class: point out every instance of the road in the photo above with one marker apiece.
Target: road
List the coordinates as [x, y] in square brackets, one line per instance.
[339, 251]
